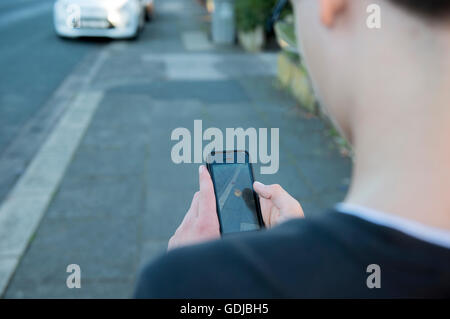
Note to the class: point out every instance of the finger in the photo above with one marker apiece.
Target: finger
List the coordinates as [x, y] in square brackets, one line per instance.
[194, 204]
[276, 193]
[172, 243]
[261, 190]
[193, 209]
[207, 199]
[265, 201]
[266, 208]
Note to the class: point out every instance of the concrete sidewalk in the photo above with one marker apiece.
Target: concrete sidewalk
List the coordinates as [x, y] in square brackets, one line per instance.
[120, 197]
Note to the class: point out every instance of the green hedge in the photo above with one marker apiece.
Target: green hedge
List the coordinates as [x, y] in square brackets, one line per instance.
[253, 13]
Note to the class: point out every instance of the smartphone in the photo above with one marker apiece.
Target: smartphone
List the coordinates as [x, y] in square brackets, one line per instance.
[237, 204]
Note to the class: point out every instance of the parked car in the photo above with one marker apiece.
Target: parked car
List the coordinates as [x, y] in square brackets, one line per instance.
[116, 19]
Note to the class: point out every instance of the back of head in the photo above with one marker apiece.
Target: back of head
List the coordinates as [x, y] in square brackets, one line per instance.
[386, 86]
[361, 74]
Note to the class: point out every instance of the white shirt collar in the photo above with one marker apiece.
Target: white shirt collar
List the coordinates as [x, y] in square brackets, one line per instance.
[437, 236]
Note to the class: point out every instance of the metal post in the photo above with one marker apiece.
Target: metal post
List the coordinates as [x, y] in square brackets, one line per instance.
[223, 22]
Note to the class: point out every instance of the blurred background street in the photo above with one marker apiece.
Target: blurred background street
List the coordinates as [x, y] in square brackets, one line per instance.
[85, 146]
[34, 63]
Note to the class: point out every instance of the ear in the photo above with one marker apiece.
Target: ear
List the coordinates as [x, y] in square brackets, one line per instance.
[330, 9]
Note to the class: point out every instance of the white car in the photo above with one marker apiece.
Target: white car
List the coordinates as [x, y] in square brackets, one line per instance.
[118, 19]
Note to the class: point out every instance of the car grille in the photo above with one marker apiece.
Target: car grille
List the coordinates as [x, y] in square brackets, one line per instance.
[94, 18]
[95, 23]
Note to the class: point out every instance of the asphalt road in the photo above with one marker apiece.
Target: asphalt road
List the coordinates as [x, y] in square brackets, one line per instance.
[33, 62]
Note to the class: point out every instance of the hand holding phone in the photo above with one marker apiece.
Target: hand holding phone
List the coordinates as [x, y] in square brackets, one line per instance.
[200, 223]
[237, 204]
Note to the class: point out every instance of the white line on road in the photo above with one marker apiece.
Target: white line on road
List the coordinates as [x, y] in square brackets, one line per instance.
[209, 66]
[22, 210]
[196, 41]
[26, 204]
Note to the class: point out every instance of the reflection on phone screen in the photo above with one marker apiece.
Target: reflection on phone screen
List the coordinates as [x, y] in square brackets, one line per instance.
[236, 203]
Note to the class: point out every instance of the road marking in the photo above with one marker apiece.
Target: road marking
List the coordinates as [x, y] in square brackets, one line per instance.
[196, 41]
[210, 66]
[25, 13]
[22, 210]
[182, 66]
[25, 205]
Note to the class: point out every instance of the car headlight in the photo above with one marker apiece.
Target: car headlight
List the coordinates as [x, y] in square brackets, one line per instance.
[116, 4]
[120, 11]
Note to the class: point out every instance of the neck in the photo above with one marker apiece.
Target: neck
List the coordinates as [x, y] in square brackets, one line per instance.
[401, 134]
[402, 158]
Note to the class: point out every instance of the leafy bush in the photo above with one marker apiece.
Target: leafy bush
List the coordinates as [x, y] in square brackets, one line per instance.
[253, 13]
[285, 34]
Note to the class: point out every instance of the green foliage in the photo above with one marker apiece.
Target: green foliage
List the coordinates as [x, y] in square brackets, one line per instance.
[253, 13]
[285, 32]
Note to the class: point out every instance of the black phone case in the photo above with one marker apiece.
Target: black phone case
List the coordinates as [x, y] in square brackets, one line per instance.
[255, 195]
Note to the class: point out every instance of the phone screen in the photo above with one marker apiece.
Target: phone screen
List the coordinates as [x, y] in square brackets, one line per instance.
[236, 200]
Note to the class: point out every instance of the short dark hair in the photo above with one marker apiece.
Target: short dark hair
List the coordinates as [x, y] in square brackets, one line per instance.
[428, 7]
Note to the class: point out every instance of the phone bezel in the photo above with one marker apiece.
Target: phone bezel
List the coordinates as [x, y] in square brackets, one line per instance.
[235, 154]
